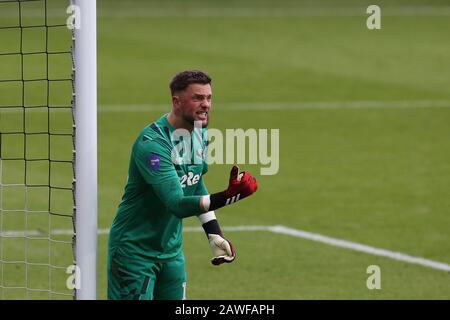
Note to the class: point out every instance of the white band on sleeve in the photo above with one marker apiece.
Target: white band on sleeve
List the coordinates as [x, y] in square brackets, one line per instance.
[206, 217]
[205, 202]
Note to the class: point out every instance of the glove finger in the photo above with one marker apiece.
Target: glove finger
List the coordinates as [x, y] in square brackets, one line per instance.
[227, 247]
[228, 259]
[232, 251]
[222, 259]
[248, 178]
[245, 176]
[218, 260]
[234, 173]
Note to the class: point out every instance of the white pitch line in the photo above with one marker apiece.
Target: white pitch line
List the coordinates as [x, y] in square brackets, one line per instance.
[21, 233]
[261, 106]
[286, 231]
[361, 248]
[310, 105]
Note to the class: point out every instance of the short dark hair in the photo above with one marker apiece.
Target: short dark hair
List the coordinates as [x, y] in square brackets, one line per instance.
[183, 79]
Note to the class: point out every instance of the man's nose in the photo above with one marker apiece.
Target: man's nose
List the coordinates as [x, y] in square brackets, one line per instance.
[205, 103]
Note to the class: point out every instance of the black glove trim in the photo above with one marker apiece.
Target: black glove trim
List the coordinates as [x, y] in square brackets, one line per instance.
[212, 227]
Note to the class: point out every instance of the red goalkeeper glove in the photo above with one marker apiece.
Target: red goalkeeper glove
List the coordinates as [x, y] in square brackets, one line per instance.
[240, 185]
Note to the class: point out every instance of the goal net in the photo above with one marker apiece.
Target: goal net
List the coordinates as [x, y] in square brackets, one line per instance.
[38, 130]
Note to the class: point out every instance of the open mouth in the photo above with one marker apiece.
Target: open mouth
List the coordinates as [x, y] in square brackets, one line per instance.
[202, 115]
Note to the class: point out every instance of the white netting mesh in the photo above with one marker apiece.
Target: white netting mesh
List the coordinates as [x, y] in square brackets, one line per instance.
[36, 150]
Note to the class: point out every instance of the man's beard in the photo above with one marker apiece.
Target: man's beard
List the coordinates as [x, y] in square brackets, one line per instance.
[191, 120]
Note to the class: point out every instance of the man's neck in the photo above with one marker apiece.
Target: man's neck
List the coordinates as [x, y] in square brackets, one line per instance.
[178, 122]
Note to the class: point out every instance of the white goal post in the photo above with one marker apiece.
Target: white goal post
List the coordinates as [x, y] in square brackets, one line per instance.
[85, 108]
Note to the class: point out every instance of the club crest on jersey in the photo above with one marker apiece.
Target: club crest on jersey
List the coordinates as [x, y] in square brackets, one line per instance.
[153, 162]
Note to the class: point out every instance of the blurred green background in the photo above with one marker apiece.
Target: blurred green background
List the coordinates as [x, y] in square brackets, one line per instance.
[364, 137]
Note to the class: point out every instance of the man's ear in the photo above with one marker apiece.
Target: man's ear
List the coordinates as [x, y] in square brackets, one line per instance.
[176, 102]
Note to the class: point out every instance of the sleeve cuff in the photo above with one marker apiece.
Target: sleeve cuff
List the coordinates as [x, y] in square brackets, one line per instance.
[205, 202]
[206, 217]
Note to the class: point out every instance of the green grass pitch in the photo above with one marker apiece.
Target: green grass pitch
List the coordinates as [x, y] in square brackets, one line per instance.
[375, 171]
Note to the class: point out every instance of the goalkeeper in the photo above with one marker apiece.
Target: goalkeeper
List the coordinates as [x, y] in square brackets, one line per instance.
[145, 257]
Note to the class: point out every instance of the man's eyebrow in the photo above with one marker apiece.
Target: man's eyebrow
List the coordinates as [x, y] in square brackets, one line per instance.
[201, 95]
